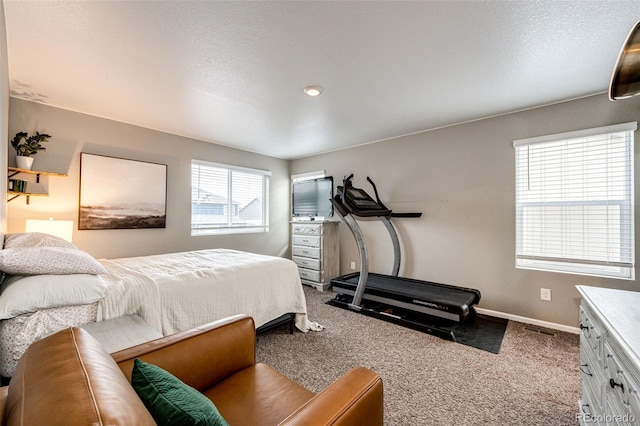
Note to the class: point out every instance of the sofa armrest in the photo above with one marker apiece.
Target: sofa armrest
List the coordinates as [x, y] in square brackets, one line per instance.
[68, 378]
[201, 356]
[354, 399]
[4, 390]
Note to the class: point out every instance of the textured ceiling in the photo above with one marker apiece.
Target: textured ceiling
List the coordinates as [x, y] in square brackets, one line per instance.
[233, 72]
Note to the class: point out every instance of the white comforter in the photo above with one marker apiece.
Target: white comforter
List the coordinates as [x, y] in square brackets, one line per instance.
[178, 291]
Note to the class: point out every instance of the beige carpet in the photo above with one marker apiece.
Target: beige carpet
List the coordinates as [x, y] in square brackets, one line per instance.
[534, 380]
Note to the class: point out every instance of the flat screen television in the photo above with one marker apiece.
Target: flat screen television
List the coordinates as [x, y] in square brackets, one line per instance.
[312, 198]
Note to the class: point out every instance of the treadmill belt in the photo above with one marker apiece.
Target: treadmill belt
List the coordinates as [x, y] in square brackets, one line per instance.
[422, 290]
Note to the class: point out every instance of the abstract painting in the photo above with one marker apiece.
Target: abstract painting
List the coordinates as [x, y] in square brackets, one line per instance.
[116, 193]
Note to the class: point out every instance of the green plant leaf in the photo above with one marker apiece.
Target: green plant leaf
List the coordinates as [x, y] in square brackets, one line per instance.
[26, 145]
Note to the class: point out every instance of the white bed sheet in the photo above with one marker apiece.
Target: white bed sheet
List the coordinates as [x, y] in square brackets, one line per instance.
[178, 291]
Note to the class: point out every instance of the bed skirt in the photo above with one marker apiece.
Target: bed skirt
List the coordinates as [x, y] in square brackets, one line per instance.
[16, 334]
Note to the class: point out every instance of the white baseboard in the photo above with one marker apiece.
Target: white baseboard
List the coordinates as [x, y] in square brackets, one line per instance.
[546, 324]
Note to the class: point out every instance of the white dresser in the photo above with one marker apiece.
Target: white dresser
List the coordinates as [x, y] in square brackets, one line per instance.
[316, 251]
[609, 356]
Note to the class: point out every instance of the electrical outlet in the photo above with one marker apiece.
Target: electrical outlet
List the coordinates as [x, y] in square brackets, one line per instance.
[353, 265]
[545, 294]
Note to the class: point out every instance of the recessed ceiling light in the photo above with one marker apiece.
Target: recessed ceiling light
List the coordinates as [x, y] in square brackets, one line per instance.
[313, 90]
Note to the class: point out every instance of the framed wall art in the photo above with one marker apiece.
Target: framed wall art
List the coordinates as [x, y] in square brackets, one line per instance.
[116, 193]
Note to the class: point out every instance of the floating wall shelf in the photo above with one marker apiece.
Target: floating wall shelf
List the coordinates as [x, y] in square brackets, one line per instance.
[13, 171]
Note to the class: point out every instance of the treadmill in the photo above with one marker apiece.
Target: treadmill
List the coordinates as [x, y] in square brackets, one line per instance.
[414, 303]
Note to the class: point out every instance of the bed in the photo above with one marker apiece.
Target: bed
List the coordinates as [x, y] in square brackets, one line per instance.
[49, 285]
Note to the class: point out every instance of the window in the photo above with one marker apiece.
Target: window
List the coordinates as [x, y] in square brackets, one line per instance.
[228, 199]
[574, 202]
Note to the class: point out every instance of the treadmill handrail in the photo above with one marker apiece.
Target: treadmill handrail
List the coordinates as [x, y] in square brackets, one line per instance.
[375, 191]
[413, 215]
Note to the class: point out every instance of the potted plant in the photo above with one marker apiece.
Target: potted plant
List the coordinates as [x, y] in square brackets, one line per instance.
[26, 146]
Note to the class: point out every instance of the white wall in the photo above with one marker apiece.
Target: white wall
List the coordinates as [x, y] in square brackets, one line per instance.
[73, 133]
[463, 180]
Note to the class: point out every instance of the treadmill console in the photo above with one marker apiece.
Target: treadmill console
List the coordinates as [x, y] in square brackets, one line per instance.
[358, 202]
[361, 199]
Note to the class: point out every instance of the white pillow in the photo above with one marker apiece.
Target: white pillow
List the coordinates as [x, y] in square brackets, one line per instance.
[48, 260]
[34, 239]
[21, 295]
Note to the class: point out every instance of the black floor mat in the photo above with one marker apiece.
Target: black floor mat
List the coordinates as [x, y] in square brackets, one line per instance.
[479, 331]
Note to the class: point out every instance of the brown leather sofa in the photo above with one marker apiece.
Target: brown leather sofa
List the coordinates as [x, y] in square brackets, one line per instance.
[69, 379]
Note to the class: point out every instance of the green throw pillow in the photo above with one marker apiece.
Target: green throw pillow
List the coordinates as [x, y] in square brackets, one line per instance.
[169, 400]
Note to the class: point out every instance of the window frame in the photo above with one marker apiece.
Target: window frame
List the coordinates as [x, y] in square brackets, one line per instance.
[230, 206]
[609, 268]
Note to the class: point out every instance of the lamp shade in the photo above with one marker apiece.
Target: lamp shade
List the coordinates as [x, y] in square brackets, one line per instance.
[625, 81]
[58, 228]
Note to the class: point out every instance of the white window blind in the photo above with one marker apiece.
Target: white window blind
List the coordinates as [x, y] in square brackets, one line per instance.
[574, 202]
[228, 199]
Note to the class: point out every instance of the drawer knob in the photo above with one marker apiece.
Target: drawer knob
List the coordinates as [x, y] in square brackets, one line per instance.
[584, 327]
[613, 385]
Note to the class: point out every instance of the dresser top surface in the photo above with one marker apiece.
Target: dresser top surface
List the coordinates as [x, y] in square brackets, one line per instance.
[620, 310]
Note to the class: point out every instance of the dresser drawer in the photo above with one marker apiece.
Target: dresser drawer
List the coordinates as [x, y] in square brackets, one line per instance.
[593, 377]
[305, 240]
[299, 229]
[634, 400]
[315, 250]
[591, 332]
[614, 412]
[618, 414]
[306, 252]
[621, 389]
[307, 262]
[308, 274]
[587, 415]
